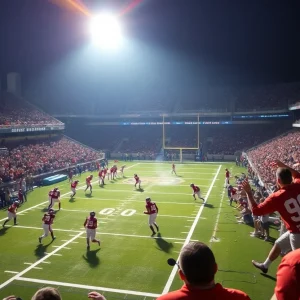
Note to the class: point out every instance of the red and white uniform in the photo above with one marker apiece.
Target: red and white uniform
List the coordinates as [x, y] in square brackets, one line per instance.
[88, 181]
[73, 186]
[55, 195]
[137, 179]
[151, 210]
[196, 191]
[12, 211]
[90, 224]
[105, 172]
[234, 194]
[47, 223]
[227, 175]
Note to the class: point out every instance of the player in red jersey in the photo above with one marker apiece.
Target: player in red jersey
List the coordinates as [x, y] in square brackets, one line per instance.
[73, 187]
[54, 196]
[12, 213]
[88, 181]
[196, 191]
[115, 172]
[137, 181]
[101, 176]
[152, 211]
[20, 196]
[233, 194]
[47, 225]
[173, 169]
[90, 224]
[286, 201]
[227, 175]
[105, 173]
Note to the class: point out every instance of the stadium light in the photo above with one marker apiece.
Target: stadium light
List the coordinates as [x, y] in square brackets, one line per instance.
[105, 30]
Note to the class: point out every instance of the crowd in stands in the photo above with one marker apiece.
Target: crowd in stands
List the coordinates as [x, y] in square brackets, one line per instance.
[285, 148]
[37, 157]
[14, 112]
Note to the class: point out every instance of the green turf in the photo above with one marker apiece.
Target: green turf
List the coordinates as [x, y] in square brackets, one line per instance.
[129, 259]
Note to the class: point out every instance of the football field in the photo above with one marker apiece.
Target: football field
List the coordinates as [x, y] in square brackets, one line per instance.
[130, 264]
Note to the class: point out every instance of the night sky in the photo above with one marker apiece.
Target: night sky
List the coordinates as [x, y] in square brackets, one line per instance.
[231, 42]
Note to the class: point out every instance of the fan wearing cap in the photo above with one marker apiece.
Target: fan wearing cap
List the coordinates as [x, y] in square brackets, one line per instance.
[90, 224]
[288, 278]
[47, 224]
[12, 213]
[197, 269]
[152, 211]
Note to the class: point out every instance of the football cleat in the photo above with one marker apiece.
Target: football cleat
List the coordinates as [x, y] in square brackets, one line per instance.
[260, 266]
[51, 211]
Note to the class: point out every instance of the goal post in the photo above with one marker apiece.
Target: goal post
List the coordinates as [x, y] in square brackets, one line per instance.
[175, 151]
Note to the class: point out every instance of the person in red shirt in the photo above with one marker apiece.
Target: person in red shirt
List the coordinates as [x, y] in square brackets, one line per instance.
[137, 181]
[286, 201]
[152, 211]
[20, 196]
[47, 224]
[173, 169]
[288, 278]
[90, 224]
[198, 268]
[12, 213]
[196, 191]
[227, 175]
[88, 181]
[101, 176]
[73, 188]
[54, 196]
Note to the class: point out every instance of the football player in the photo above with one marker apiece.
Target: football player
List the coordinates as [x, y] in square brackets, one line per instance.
[122, 170]
[12, 213]
[54, 196]
[137, 181]
[90, 224]
[173, 169]
[196, 191]
[101, 175]
[152, 211]
[88, 181]
[73, 187]
[227, 175]
[47, 224]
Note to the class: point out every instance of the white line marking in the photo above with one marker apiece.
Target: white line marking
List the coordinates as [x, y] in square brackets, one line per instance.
[26, 263]
[62, 248]
[38, 262]
[213, 237]
[184, 232]
[46, 262]
[88, 287]
[12, 272]
[37, 268]
[174, 270]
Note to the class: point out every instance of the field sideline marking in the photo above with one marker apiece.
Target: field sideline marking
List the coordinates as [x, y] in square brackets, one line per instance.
[39, 261]
[101, 233]
[174, 270]
[87, 287]
[82, 187]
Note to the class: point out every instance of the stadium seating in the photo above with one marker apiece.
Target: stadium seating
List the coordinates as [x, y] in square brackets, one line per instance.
[43, 156]
[286, 148]
[14, 111]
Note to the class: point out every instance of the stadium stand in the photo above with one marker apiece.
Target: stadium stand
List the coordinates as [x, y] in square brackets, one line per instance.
[42, 156]
[15, 111]
[286, 148]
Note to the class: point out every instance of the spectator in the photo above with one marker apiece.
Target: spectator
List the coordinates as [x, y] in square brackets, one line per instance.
[284, 201]
[288, 278]
[197, 269]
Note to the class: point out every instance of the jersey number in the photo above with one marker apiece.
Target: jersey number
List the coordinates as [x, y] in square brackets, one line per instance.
[293, 207]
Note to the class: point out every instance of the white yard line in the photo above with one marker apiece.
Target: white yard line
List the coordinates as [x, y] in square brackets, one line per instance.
[188, 238]
[213, 238]
[12, 272]
[100, 233]
[88, 287]
[17, 276]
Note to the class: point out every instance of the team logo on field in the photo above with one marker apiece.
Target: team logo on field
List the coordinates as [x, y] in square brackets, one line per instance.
[155, 180]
